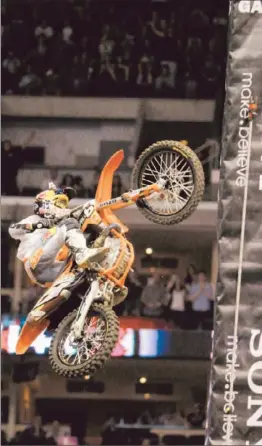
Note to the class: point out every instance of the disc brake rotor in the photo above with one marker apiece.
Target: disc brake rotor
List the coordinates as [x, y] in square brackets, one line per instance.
[73, 352]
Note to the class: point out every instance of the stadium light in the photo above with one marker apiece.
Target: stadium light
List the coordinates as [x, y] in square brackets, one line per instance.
[142, 380]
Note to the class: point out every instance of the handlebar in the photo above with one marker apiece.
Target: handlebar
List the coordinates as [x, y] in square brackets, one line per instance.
[126, 199]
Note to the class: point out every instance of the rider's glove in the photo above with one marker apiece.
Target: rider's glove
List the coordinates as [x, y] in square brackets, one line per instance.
[31, 227]
[60, 213]
[50, 211]
[45, 223]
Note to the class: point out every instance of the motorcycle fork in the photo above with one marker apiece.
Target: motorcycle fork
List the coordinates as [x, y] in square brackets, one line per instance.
[92, 294]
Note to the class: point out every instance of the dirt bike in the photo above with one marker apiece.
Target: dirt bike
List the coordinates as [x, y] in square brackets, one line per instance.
[167, 186]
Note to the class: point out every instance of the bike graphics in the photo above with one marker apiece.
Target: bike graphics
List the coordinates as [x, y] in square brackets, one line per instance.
[167, 186]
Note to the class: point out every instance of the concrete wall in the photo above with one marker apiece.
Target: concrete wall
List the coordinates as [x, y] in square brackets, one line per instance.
[64, 140]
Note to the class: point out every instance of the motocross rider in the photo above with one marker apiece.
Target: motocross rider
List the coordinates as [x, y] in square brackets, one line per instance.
[43, 234]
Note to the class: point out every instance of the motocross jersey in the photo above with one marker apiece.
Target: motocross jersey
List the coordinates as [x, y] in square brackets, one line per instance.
[29, 241]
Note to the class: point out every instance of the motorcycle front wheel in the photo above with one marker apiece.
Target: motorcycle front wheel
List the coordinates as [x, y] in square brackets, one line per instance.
[179, 166]
[88, 355]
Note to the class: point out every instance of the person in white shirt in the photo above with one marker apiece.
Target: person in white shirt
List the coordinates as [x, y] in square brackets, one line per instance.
[44, 30]
[51, 177]
[67, 32]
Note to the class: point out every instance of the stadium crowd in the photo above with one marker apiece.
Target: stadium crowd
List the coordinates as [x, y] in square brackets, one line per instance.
[115, 431]
[116, 48]
[185, 303]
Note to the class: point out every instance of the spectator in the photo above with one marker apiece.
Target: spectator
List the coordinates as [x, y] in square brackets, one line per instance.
[117, 186]
[145, 419]
[52, 177]
[158, 26]
[84, 45]
[67, 180]
[191, 87]
[11, 65]
[106, 47]
[162, 39]
[54, 433]
[93, 187]
[201, 293]
[147, 50]
[153, 297]
[79, 187]
[198, 24]
[196, 419]
[108, 431]
[177, 295]
[67, 32]
[165, 81]
[12, 160]
[29, 82]
[51, 83]
[195, 54]
[34, 435]
[210, 73]
[131, 306]
[83, 73]
[44, 30]
[122, 71]
[38, 58]
[216, 47]
[127, 47]
[107, 77]
[145, 72]
[191, 276]
[76, 78]
[171, 418]
[190, 82]
[41, 46]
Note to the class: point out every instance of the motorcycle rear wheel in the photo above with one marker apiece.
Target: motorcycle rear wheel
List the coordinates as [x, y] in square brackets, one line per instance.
[180, 166]
[93, 362]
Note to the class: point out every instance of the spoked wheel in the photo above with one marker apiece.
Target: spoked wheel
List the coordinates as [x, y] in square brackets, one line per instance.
[84, 357]
[183, 173]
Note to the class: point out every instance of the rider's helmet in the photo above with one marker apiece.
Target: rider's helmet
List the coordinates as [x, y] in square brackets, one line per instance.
[53, 196]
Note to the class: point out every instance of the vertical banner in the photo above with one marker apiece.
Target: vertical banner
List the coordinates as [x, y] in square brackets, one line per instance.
[234, 410]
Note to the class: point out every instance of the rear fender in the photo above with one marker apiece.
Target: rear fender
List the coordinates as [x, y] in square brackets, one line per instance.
[104, 188]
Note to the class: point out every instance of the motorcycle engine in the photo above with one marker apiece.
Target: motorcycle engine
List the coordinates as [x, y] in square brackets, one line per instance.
[113, 243]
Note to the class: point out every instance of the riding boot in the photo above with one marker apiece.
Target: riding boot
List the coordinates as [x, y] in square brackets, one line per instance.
[84, 256]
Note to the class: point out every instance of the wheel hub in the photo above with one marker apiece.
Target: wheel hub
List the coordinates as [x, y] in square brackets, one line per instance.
[174, 170]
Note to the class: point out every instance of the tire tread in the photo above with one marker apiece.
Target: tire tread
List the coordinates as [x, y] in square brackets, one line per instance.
[199, 180]
[96, 362]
